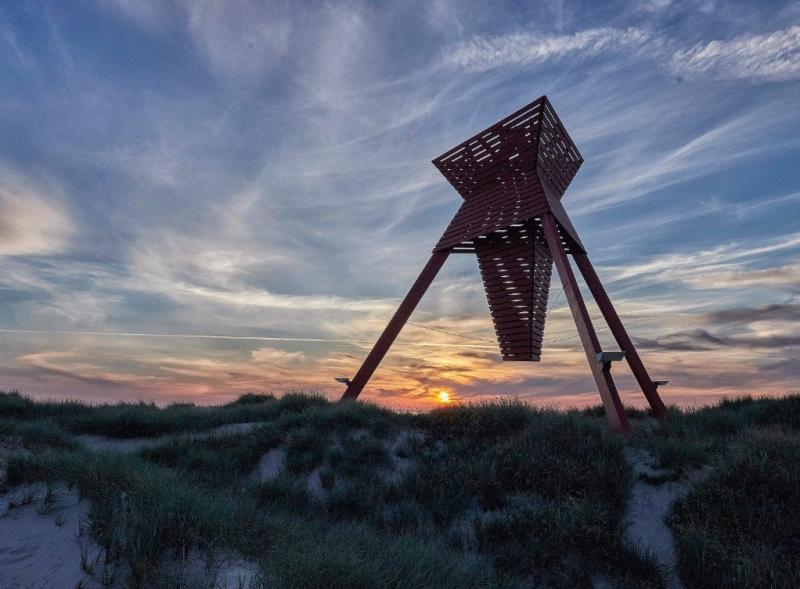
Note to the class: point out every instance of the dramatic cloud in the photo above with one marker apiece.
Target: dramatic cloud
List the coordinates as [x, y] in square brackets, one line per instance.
[199, 199]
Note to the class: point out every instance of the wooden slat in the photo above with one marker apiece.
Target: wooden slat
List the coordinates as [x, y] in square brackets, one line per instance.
[516, 293]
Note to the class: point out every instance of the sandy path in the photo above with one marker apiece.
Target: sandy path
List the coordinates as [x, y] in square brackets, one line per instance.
[648, 507]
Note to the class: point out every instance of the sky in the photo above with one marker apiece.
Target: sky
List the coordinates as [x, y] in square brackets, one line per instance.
[200, 199]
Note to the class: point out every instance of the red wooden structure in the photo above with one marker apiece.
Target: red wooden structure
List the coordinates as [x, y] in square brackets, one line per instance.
[512, 177]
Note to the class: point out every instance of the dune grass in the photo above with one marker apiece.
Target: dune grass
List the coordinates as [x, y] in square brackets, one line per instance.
[131, 420]
[492, 495]
[741, 527]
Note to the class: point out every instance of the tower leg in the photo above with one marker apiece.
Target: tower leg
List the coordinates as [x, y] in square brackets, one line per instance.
[395, 325]
[602, 373]
[623, 340]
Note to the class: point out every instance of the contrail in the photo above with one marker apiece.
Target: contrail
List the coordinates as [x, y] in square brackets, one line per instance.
[229, 337]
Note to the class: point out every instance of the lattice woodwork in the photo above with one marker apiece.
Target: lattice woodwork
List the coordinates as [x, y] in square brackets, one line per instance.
[515, 267]
[509, 176]
[512, 172]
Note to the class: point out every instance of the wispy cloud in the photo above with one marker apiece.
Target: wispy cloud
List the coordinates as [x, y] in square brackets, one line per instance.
[237, 39]
[253, 190]
[637, 167]
[33, 220]
[482, 53]
[718, 267]
[772, 57]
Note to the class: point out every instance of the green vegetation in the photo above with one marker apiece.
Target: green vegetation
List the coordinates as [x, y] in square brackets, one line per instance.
[490, 495]
[130, 420]
[741, 527]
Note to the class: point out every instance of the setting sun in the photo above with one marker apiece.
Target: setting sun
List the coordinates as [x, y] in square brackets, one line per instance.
[443, 397]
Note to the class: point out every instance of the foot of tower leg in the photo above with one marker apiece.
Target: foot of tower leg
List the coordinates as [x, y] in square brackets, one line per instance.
[394, 326]
[591, 345]
[649, 388]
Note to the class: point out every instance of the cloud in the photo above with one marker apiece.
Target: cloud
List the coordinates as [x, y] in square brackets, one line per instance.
[65, 308]
[186, 269]
[701, 340]
[275, 356]
[630, 165]
[779, 312]
[722, 266]
[252, 229]
[32, 220]
[149, 13]
[771, 57]
[785, 278]
[656, 5]
[482, 53]
[73, 364]
[242, 39]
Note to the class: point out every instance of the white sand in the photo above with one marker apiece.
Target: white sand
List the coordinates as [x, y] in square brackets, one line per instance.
[647, 509]
[48, 547]
[271, 465]
[225, 572]
[35, 552]
[45, 550]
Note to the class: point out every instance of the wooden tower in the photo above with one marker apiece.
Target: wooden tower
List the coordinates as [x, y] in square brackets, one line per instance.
[512, 177]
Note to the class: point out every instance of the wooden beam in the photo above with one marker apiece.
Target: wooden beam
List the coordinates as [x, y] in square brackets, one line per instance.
[397, 322]
[591, 345]
[618, 330]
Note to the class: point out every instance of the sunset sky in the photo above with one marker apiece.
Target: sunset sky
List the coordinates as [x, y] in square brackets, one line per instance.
[199, 199]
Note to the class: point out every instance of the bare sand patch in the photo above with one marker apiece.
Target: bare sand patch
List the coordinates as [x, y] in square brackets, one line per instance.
[400, 449]
[271, 465]
[648, 507]
[219, 572]
[45, 544]
[42, 545]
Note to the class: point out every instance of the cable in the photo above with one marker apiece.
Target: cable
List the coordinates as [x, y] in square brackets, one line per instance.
[235, 337]
[553, 306]
[479, 339]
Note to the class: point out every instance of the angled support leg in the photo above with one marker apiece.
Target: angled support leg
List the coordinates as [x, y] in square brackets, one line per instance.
[602, 373]
[395, 325]
[623, 340]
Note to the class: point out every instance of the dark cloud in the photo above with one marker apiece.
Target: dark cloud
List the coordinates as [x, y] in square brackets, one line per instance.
[697, 340]
[777, 312]
[789, 367]
[700, 340]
